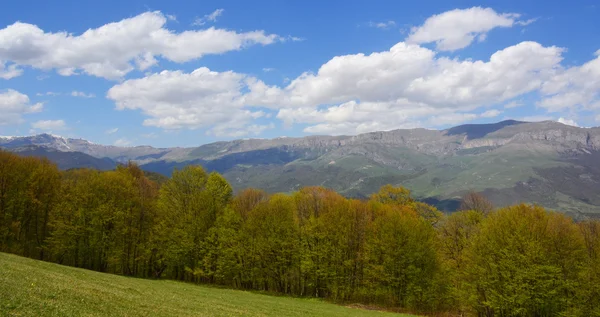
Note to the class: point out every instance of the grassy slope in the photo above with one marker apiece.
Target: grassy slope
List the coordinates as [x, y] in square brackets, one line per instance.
[501, 168]
[35, 288]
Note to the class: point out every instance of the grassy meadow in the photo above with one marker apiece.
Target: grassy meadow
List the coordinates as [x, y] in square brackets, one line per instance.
[36, 288]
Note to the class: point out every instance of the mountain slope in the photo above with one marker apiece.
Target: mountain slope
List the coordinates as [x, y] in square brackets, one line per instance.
[66, 160]
[548, 163]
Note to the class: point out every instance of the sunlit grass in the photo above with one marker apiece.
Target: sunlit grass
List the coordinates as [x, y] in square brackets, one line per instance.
[35, 288]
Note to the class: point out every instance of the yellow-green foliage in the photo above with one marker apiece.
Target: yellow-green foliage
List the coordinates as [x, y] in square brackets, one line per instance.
[389, 250]
[525, 262]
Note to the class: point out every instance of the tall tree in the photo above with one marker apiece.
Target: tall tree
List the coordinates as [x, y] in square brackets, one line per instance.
[402, 263]
[588, 290]
[29, 190]
[183, 202]
[456, 233]
[271, 251]
[525, 262]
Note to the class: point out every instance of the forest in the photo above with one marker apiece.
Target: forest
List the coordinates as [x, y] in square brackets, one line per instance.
[390, 250]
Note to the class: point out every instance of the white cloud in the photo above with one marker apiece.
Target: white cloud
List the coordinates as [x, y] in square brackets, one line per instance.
[212, 17]
[49, 125]
[253, 129]
[112, 131]
[115, 49]
[10, 71]
[456, 29]
[350, 77]
[200, 99]
[403, 86]
[570, 122]
[268, 69]
[382, 25]
[13, 105]
[406, 86]
[82, 94]
[171, 17]
[414, 72]
[353, 117]
[122, 142]
[573, 87]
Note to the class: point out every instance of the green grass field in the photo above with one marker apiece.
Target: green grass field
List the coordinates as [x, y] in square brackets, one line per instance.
[35, 288]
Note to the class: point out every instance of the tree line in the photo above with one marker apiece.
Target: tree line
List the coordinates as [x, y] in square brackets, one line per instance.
[389, 250]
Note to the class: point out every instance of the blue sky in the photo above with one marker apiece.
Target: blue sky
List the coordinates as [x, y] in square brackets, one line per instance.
[189, 73]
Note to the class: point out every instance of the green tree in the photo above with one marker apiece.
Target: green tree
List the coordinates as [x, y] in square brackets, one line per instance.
[525, 262]
[588, 290]
[189, 204]
[402, 263]
[456, 233]
[29, 190]
[270, 248]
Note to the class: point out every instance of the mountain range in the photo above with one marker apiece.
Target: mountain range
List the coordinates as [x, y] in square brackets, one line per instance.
[547, 163]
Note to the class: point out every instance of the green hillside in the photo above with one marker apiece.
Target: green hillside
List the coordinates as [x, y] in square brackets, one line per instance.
[36, 288]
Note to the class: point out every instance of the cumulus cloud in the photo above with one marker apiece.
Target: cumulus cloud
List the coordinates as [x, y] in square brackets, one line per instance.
[200, 99]
[228, 131]
[212, 17]
[573, 87]
[456, 29]
[405, 85]
[49, 125]
[82, 94]
[414, 72]
[13, 105]
[570, 122]
[357, 117]
[115, 49]
[112, 131]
